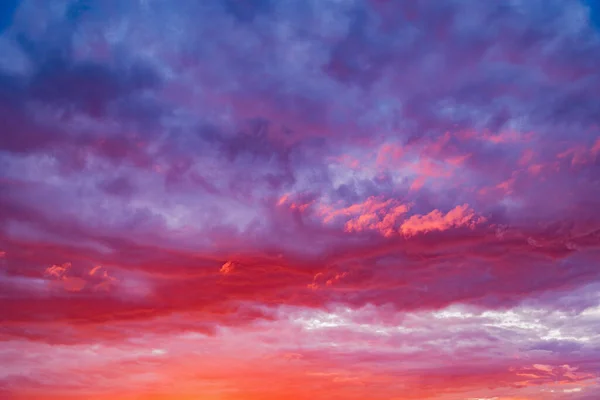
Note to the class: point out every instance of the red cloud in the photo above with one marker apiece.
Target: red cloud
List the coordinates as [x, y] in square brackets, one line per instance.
[95, 279]
[227, 268]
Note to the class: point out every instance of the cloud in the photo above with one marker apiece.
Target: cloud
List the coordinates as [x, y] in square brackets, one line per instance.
[227, 268]
[58, 271]
[96, 279]
[358, 199]
[459, 216]
[372, 214]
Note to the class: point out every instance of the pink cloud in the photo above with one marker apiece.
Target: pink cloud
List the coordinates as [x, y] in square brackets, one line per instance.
[459, 216]
[373, 214]
[58, 271]
[389, 154]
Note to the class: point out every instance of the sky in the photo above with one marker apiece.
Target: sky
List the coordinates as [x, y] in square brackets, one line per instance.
[299, 199]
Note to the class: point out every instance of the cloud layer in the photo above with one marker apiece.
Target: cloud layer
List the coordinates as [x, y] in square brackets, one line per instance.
[299, 199]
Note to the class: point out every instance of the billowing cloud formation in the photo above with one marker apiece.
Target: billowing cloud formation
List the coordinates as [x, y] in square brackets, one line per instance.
[299, 199]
